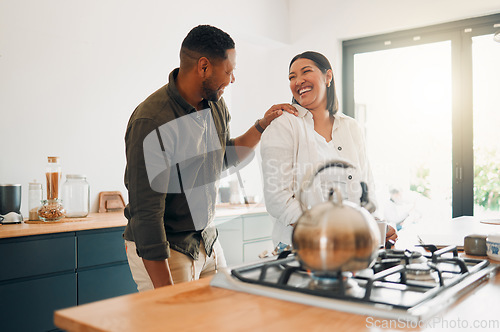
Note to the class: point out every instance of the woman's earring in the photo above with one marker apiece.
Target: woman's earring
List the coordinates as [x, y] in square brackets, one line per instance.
[328, 84]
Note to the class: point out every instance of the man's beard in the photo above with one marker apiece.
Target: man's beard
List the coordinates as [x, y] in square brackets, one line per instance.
[208, 92]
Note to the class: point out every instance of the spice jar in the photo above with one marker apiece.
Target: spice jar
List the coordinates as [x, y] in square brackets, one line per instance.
[76, 196]
[35, 196]
[51, 210]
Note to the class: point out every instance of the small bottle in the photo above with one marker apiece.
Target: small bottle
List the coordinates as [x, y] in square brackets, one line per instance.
[76, 196]
[35, 196]
[53, 174]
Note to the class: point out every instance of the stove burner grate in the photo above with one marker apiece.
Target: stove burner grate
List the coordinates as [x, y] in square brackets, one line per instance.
[287, 274]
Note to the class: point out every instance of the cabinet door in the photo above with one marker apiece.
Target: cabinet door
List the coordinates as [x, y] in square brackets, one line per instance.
[37, 255]
[104, 282]
[231, 239]
[29, 305]
[252, 250]
[98, 247]
[257, 227]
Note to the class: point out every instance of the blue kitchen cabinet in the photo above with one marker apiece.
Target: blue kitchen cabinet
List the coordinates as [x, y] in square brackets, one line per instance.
[37, 277]
[104, 282]
[100, 247]
[103, 270]
[29, 305]
[43, 273]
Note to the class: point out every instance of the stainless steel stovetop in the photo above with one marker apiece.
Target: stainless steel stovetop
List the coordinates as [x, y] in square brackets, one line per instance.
[401, 284]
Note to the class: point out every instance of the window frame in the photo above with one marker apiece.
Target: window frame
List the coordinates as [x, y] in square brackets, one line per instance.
[460, 34]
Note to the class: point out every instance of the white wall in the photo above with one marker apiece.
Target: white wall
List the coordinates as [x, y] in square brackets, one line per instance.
[72, 72]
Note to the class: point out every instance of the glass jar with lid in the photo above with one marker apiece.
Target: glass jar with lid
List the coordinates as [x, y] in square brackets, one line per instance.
[76, 196]
[35, 196]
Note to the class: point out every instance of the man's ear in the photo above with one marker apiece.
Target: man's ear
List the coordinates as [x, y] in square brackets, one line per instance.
[204, 67]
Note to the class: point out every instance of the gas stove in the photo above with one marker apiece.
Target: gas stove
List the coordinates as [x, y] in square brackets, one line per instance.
[401, 284]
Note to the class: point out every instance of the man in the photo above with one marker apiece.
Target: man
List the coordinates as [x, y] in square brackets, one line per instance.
[177, 144]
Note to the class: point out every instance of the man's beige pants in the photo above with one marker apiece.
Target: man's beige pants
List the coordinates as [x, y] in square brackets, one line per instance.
[182, 267]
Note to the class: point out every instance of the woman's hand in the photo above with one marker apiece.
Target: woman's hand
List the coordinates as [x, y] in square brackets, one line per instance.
[391, 234]
[274, 112]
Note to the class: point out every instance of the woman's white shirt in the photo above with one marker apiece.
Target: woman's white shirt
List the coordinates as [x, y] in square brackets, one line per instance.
[291, 148]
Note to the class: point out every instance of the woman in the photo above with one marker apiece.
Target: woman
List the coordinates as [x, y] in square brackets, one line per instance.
[293, 145]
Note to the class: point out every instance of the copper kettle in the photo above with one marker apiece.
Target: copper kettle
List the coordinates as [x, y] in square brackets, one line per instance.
[336, 235]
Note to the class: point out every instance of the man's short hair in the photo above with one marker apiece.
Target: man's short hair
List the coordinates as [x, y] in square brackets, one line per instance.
[207, 41]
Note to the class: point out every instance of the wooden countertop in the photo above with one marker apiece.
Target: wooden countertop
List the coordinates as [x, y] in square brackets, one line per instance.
[234, 210]
[92, 221]
[107, 220]
[196, 306]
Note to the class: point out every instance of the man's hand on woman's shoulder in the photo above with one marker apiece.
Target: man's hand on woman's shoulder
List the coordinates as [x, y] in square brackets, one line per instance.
[275, 111]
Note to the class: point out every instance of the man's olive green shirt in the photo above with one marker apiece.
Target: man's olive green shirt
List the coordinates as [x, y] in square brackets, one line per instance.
[158, 221]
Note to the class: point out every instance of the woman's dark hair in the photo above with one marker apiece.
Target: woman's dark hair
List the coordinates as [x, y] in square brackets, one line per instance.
[332, 104]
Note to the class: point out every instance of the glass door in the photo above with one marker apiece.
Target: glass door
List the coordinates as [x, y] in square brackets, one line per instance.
[486, 120]
[428, 98]
[402, 96]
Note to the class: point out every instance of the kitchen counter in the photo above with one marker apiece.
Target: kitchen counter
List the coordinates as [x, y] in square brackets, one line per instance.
[92, 221]
[54, 265]
[49, 266]
[195, 305]
[232, 210]
[107, 220]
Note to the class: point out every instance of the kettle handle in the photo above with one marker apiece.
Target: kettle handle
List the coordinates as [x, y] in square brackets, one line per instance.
[308, 179]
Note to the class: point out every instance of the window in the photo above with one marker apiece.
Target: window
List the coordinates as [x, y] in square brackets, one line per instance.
[486, 119]
[427, 100]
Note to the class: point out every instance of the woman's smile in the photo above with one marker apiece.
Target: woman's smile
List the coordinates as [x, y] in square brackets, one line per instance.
[304, 90]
